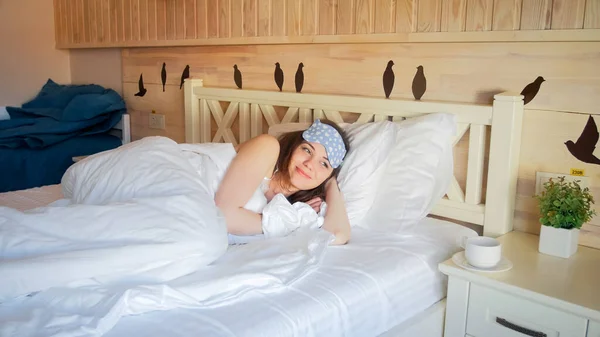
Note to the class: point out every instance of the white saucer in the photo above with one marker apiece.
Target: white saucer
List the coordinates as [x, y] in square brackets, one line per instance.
[460, 260]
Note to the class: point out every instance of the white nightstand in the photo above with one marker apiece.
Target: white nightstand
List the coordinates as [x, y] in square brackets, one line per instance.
[541, 295]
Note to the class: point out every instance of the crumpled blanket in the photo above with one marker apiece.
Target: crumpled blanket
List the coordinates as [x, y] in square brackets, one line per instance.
[136, 232]
[60, 112]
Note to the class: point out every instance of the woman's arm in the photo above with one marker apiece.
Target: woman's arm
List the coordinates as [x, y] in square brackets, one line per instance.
[336, 217]
[255, 159]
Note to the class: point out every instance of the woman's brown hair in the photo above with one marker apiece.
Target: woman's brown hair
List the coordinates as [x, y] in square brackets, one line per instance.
[288, 142]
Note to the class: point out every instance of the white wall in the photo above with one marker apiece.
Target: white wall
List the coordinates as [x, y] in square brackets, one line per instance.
[97, 66]
[28, 57]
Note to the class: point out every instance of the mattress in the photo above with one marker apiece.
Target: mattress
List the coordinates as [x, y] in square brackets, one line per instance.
[364, 288]
[31, 198]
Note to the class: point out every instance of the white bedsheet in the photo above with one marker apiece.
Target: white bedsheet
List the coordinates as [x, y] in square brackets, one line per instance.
[361, 289]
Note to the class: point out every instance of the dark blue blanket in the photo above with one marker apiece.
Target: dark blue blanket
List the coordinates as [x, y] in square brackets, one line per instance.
[60, 112]
[26, 168]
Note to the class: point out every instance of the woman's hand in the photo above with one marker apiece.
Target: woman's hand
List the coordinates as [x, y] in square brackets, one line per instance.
[315, 203]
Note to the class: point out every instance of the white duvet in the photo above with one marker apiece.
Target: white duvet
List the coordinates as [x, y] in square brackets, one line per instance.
[137, 231]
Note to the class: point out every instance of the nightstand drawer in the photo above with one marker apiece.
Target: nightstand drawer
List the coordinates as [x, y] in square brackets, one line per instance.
[492, 313]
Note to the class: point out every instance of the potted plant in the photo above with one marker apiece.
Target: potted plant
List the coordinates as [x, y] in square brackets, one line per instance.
[564, 207]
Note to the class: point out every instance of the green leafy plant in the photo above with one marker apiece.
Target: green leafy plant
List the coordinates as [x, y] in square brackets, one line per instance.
[565, 204]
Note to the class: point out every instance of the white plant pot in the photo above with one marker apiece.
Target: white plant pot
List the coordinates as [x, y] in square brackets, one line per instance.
[558, 241]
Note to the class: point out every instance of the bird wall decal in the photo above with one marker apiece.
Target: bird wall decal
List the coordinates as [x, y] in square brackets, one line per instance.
[184, 75]
[163, 75]
[532, 89]
[141, 90]
[419, 84]
[299, 77]
[388, 79]
[278, 76]
[583, 149]
[237, 76]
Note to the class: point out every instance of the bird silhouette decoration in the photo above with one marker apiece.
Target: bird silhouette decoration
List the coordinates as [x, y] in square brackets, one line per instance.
[141, 90]
[583, 148]
[419, 84]
[184, 75]
[388, 79]
[299, 77]
[532, 89]
[163, 75]
[278, 76]
[237, 76]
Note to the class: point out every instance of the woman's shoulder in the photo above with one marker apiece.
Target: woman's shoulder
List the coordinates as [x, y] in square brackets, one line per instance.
[264, 143]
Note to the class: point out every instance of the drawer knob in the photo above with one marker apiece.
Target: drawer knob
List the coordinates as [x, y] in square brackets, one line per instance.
[519, 328]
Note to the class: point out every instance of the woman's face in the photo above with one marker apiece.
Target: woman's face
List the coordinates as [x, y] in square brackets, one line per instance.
[309, 166]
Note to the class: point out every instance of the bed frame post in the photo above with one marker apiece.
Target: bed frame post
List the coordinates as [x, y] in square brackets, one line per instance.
[505, 148]
[192, 111]
[126, 130]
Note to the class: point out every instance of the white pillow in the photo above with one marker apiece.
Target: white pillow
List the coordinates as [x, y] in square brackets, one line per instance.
[417, 174]
[364, 165]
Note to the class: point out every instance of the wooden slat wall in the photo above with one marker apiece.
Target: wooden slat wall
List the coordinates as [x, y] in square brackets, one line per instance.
[455, 72]
[105, 23]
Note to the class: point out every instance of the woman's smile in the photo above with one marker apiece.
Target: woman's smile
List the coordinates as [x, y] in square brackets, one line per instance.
[302, 173]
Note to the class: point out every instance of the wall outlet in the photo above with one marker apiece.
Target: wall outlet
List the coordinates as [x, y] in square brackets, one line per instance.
[157, 121]
[542, 177]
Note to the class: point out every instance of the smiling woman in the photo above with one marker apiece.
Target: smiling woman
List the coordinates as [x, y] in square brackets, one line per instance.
[301, 165]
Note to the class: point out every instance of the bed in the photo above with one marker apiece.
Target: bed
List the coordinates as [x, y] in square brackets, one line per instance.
[380, 284]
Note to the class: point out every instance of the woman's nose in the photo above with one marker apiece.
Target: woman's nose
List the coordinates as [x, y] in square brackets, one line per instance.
[309, 164]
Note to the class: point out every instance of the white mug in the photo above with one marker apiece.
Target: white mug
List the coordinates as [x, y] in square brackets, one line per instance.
[482, 251]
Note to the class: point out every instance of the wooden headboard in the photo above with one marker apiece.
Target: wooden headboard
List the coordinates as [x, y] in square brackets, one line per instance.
[490, 205]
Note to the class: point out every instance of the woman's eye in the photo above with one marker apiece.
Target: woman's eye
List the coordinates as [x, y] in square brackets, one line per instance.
[324, 164]
[307, 150]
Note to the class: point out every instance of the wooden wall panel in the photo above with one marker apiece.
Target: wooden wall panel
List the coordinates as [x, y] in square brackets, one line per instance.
[592, 14]
[106, 23]
[309, 19]
[136, 20]
[170, 20]
[250, 12]
[536, 14]
[92, 21]
[345, 17]
[429, 15]
[180, 19]
[506, 15]
[567, 14]
[212, 14]
[385, 16]
[453, 15]
[293, 17]
[479, 15]
[459, 72]
[201, 19]
[127, 20]
[82, 19]
[152, 20]
[237, 18]
[143, 14]
[264, 11]
[279, 17]
[363, 16]
[327, 17]
[406, 18]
